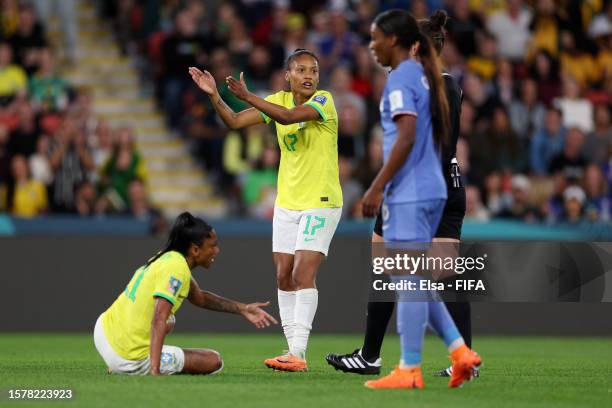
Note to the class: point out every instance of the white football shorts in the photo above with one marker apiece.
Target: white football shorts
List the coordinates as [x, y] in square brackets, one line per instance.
[172, 358]
[310, 230]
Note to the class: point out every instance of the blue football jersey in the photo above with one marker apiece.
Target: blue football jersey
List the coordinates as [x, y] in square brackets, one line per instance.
[420, 178]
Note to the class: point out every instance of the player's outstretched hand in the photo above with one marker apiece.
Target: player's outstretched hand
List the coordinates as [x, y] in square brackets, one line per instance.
[238, 88]
[371, 202]
[204, 80]
[254, 313]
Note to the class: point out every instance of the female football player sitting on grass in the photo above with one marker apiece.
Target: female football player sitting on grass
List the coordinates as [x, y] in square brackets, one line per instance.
[130, 334]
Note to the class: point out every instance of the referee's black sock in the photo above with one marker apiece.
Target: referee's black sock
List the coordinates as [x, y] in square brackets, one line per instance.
[461, 312]
[379, 314]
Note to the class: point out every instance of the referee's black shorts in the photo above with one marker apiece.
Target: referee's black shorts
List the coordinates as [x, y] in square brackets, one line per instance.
[452, 216]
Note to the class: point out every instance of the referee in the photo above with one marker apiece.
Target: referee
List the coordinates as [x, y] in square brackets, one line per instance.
[367, 359]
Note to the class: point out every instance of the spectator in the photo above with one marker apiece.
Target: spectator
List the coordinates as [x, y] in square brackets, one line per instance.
[597, 204]
[71, 161]
[499, 148]
[545, 27]
[599, 142]
[142, 210]
[570, 161]
[5, 164]
[464, 25]
[239, 43]
[577, 111]
[28, 39]
[577, 62]
[573, 204]
[101, 146]
[519, 207]
[527, 113]
[474, 209]
[604, 59]
[545, 71]
[483, 102]
[48, 90]
[259, 69]
[555, 205]
[484, 63]
[242, 149]
[351, 113]
[511, 29]
[85, 199]
[9, 18]
[351, 189]
[24, 138]
[371, 163]
[29, 197]
[504, 82]
[13, 79]
[295, 33]
[259, 188]
[184, 48]
[39, 162]
[547, 143]
[496, 198]
[602, 23]
[362, 73]
[124, 165]
[205, 134]
[337, 49]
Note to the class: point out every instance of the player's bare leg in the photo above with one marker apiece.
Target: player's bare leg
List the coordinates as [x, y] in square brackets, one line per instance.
[303, 279]
[202, 361]
[284, 269]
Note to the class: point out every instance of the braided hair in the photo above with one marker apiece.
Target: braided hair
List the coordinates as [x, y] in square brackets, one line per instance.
[187, 230]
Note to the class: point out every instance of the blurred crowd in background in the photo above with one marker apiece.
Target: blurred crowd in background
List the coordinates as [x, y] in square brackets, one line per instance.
[56, 156]
[536, 128]
[536, 132]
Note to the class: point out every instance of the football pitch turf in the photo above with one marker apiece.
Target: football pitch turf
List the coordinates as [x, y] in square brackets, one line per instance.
[517, 372]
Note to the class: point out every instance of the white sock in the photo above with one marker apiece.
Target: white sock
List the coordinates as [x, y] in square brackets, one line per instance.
[286, 308]
[306, 301]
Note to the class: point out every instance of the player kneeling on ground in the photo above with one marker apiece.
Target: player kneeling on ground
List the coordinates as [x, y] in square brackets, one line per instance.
[130, 334]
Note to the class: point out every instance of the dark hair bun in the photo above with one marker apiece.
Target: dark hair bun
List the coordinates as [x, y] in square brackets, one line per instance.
[438, 19]
[185, 219]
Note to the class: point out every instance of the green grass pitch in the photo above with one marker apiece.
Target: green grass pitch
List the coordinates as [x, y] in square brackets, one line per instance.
[518, 372]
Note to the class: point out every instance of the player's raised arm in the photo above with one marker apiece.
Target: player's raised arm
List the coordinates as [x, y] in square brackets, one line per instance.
[233, 120]
[252, 312]
[161, 312]
[282, 115]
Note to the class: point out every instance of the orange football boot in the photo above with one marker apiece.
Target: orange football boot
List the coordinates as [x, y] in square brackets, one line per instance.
[287, 362]
[464, 363]
[399, 378]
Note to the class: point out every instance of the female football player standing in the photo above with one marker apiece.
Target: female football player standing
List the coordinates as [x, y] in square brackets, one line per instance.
[415, 119]
[309, 201]
[366, 360]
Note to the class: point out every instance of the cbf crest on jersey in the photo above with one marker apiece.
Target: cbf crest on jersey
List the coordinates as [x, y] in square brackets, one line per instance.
[321, 99]
[174, 285]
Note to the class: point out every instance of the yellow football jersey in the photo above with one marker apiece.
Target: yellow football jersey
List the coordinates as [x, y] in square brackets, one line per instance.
[127, 322]
[308, 174]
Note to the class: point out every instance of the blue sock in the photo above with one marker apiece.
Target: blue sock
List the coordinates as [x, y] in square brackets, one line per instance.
[411, 325]
[441, 321]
